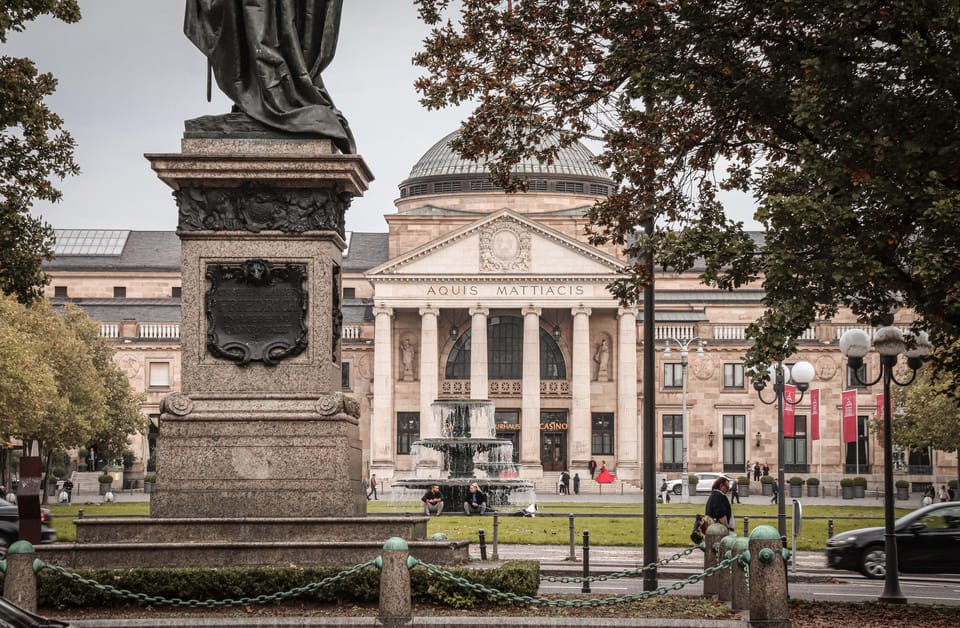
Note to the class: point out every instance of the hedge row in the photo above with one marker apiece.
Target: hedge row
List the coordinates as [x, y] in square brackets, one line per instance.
[57, 591]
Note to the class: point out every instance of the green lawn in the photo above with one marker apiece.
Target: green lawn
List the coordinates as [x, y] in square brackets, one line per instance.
[611, 529]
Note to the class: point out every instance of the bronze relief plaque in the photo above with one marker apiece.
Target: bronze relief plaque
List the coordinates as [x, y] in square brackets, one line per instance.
[256, 311]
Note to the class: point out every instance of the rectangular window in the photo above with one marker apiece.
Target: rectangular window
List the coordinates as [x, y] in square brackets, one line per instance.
[734, 442]
[60, 291]
[733, 375]
[349, 293]
[175, 292]
[159, 374]
[345, 375]
[602, 436]
[408, 431]
[795, 448]
[119, 292]
[857, 460]
[856, 377]
[673, 375]
[672, 442]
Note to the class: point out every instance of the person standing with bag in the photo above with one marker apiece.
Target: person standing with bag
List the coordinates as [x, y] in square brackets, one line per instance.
[718, 506]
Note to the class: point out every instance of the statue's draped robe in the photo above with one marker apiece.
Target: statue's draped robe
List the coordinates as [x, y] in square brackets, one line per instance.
[267, 56]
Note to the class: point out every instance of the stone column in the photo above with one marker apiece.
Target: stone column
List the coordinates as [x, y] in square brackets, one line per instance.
[627, 420]
[479, 383]
[429, 385]
[530, 410]
[382, 419]
[579, 433]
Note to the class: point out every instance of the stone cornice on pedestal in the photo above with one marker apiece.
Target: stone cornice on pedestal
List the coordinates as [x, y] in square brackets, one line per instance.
[349, 173]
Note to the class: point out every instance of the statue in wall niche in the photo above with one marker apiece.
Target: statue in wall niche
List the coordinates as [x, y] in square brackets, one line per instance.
[407, 355]
[267, 56]
[602, 358]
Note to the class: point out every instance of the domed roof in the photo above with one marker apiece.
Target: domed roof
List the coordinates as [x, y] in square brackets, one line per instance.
[442, 161]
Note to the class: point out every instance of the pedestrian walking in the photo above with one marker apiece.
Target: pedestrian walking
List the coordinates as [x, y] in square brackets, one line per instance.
[944, 495]
[734, 492]
[664, 492]
[373, 486]
[576, 483]
[756, 471]
[593, 467]
[776, 492]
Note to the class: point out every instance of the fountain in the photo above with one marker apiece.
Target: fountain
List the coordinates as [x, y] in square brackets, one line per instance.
[471, 453]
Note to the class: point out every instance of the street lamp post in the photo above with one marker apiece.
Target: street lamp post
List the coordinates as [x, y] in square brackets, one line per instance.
[890, 343]
[684, 346]
[802, 376]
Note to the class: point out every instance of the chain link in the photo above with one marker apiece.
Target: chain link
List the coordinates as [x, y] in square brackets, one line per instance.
[626, 573]
[162, 601]
[578, 602]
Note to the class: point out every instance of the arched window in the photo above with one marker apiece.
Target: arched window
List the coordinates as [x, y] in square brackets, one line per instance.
[505, 352]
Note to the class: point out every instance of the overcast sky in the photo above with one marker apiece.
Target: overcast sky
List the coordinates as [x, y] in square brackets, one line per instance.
[129, 78]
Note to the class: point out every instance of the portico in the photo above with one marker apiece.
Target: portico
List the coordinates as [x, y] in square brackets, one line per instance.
[509, 310]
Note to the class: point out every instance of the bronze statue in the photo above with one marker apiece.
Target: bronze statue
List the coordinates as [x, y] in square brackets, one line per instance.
[267, 56]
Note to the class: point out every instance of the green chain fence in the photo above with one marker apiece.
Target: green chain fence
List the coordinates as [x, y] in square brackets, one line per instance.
[626, 573]
[433, 570]
[579, 602]
[162, 601]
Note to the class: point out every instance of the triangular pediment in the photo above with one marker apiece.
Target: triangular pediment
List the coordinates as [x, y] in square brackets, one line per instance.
[503, 243]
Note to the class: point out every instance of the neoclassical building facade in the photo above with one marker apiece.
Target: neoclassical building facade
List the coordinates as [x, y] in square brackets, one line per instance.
[478, 294]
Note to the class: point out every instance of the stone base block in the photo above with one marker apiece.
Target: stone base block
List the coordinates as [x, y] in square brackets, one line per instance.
[273, 457]
[248, 530]
[253, 554]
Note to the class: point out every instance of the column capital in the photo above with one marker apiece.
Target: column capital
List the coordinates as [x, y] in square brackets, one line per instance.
[531, 310]
[581, 310]
[383, 310]
[428, 311]
[628, 311]
[479, 310]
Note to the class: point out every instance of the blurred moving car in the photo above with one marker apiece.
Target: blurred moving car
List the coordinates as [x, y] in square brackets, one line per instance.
[928, 541]
[704, 483]
[10, 526]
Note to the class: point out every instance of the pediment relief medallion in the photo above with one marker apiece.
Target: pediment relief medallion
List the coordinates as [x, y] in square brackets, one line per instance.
[504, 247]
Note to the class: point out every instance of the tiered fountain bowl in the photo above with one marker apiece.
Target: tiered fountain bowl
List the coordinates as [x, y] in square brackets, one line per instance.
[471, 452]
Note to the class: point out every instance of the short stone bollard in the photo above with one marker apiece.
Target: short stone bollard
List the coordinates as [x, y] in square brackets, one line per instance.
[725, 588]
[740, 597]
[716, 531]
[768, 587]
[20, 582]
[395, 605]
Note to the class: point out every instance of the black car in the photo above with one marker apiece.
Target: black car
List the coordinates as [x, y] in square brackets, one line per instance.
[928, 541]
[10, 526]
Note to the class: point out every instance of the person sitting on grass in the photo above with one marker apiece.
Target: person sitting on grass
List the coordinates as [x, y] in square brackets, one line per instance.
[476, 503]
[432, 501]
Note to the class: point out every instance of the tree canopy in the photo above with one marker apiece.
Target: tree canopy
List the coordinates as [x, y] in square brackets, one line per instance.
[839, 116]
[34, 148]
[926, 416]
[60, 386]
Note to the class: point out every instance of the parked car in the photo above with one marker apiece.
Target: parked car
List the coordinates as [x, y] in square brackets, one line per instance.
[928, 541]
[704, 484]
[10, 526]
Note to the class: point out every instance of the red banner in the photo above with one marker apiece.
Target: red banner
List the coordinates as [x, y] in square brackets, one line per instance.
[815, 414]
[789, 414]
[848, 411]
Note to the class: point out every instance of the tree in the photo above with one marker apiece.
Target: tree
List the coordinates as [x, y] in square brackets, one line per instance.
[839, 116]
[122, 417]
[927, 416]
[61, 388]
[34, 147]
